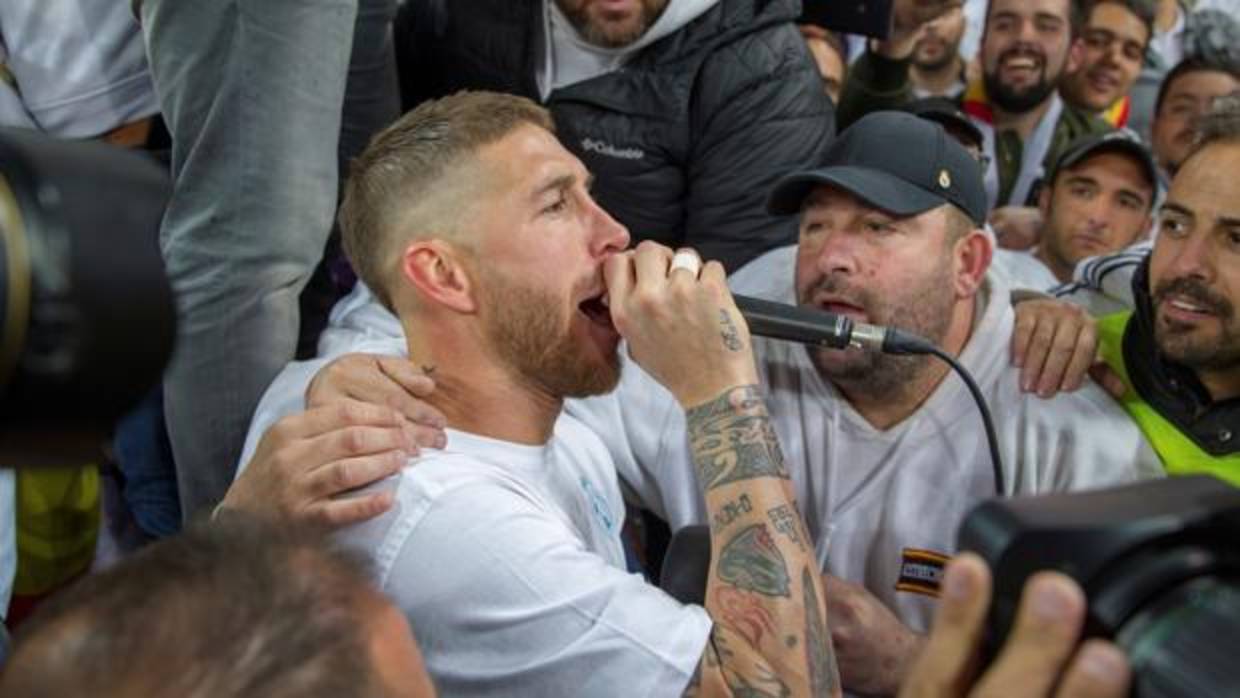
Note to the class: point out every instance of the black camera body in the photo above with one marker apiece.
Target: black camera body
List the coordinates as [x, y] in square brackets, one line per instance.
[87, 319]
[1160, 565]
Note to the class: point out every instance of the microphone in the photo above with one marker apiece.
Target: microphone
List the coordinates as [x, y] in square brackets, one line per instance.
[815, 327]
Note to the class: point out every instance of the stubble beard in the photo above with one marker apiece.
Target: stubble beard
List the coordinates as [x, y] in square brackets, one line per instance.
[1220, 353]
[924, 308]
[607, 35]
[526, 334]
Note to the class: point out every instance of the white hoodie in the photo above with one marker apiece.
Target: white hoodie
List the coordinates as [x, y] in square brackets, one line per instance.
[571, 59]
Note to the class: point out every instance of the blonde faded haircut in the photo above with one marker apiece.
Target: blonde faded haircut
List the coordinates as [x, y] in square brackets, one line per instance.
[415, 178]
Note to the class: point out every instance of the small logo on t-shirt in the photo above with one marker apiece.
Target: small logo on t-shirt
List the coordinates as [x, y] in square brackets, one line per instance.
[598, 504]
[921, 571]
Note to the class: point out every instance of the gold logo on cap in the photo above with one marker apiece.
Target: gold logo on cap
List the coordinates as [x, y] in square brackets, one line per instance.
[945, 180]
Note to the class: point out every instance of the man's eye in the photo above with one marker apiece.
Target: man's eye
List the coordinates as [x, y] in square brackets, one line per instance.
[559, 205]
[1171, 226]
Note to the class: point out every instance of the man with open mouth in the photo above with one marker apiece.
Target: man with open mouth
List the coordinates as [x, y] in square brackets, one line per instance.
[1178, 351]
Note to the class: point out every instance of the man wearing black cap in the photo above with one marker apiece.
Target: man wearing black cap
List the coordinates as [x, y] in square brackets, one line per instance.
[1097, 200]
[885, 454]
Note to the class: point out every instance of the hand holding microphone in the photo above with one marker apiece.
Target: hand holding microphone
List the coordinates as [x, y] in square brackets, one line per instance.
[679, 320]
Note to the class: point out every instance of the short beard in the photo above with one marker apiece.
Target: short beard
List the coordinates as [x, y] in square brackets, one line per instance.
[598, 34]
[1221, 354]
[524, 331]
[1014, 102]
[947, 59]
[924, 308]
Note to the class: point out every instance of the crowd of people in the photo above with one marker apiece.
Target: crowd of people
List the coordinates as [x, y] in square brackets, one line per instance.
[461, 478]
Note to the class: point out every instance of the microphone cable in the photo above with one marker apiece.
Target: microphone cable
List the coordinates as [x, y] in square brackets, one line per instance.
[899, 342]
[816, 328]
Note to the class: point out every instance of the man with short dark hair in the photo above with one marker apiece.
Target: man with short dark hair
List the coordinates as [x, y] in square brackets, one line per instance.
[1208, 29]
[1112, 51]
[1183, 98]
[937, 68]
[1178, 350]
[232, 609]
[1097, 200]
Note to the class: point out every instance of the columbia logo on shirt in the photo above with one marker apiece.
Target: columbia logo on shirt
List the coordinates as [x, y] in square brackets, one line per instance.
[592, 146]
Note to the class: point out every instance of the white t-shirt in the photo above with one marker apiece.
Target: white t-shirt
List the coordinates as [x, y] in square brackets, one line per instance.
[80, 66]
[1019, 269]
[507, 560]
[883, 505]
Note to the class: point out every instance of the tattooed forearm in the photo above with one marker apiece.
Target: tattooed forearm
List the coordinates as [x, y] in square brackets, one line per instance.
[732, 439]
[752, 562]
[823, 673]
[727, 330]
[758, 544]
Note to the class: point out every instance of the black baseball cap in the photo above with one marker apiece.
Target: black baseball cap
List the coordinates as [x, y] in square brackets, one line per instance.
[1117, 141]
[896, 162]
[947, 113]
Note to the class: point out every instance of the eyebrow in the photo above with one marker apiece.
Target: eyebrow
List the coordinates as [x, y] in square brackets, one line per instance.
[1172, 207]
[1143, 198]
[559, 183]
[1080, 179]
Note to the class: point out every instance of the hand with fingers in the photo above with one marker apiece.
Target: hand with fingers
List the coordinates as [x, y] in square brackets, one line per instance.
[873, 648]
[680, 321]
[391, 381]
[306, 464]
[1040, 657]
[909, 20]
[1017, 227]
[1054, 343]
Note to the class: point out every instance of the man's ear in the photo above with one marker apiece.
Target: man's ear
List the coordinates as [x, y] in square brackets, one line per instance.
[437, 271]
[1076, 57]
[1044, 199]
[973, 253]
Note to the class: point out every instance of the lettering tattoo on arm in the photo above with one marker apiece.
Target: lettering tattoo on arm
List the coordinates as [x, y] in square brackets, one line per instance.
[732, 439]
[732, 511]
[727, 330]
[787, 521]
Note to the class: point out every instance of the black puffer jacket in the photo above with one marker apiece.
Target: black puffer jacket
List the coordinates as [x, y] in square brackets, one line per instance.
[685, 141]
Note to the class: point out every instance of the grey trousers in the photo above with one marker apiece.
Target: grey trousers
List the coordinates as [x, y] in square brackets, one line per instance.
[253, 93]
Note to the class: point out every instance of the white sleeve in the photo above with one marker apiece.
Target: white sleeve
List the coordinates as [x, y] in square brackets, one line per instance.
[1084, 441]
[505, 600]
[1103, 284]
[358, 325]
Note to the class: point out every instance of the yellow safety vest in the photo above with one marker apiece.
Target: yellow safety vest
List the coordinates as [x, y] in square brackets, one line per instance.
[1179, 454]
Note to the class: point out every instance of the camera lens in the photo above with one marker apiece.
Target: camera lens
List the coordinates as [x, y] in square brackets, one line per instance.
[1185, 642]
